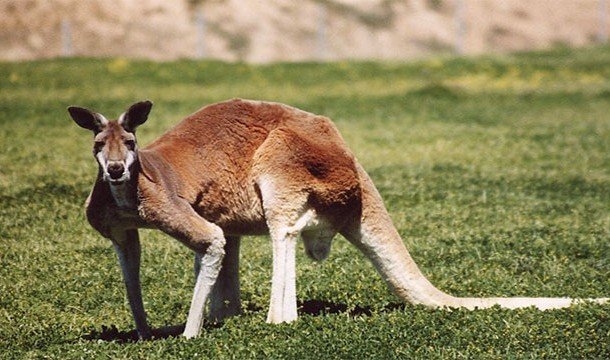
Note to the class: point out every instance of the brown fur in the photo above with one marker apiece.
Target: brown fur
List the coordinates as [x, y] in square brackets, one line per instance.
[244, 167]
[222, 149]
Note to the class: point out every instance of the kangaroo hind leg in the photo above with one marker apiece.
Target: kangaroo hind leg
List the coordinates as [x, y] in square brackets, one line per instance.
[287, 214]
[307, 186]
[284, 236]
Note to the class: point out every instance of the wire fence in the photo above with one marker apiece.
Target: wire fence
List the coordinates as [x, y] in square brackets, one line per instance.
[323, 40]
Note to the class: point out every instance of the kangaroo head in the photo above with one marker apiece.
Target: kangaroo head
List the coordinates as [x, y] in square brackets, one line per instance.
[115, 146]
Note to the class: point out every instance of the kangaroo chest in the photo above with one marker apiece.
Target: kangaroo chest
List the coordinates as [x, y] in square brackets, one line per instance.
[125, 207]
[123, 198]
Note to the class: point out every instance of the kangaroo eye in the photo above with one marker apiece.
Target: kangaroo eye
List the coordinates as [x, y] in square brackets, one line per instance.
[131, 144]
[98, 145]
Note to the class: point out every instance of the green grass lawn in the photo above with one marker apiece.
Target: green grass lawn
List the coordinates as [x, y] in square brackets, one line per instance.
[496, 171]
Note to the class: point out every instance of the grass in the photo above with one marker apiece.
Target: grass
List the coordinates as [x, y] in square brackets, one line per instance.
[496, 171]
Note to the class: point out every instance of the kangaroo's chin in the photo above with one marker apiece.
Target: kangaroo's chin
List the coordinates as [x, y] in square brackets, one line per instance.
[123, 179]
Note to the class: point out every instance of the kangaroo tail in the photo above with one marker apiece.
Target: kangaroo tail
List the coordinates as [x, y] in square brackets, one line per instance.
[375, 235]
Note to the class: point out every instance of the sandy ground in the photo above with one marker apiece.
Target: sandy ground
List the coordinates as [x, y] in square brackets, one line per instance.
[282, 30]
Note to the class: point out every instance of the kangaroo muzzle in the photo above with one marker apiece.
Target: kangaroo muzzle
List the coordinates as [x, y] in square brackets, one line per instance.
[116, 170]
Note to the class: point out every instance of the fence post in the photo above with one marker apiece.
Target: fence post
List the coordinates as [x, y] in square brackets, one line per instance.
[602, 35]
[201, 28]
[460, 26]
[321, 38]
[66, 38]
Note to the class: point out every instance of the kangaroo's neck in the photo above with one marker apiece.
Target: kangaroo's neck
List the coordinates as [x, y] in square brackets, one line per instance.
[125, 195]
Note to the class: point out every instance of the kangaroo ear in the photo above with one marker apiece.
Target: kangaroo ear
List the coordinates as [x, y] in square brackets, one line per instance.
[87, 119]
[136, 115]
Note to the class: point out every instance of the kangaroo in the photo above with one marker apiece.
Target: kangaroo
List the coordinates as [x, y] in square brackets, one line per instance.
[239, 168]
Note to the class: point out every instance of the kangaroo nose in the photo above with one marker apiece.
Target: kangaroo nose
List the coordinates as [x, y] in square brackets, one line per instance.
[115, 170]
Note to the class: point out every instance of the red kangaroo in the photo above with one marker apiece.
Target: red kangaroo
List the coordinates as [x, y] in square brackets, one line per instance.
[242, 168]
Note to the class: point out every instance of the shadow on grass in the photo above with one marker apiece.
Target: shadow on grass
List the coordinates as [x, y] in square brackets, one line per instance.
[322, 307]
[113, 334]
[308, 307]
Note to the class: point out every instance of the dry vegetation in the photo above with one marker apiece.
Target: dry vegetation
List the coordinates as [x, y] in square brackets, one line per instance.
[284, 30]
